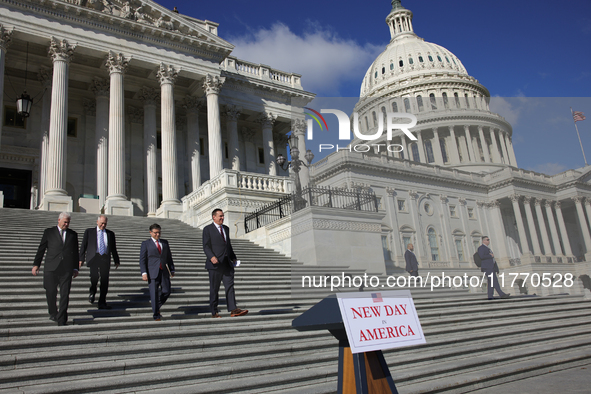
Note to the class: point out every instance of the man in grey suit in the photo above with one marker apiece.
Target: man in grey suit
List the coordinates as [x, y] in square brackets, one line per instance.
[412, 265]
[489, 266]
[157, 268]
[220, 264]
[98, 245]
[61, 265]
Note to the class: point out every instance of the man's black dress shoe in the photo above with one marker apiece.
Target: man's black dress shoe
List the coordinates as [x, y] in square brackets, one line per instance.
[62, 324]
[91, 298]
[53, 318]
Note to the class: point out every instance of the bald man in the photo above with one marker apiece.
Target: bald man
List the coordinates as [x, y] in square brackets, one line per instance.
[412, 265]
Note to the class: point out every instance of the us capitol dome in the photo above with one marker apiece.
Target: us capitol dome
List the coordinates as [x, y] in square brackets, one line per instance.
[455, 126]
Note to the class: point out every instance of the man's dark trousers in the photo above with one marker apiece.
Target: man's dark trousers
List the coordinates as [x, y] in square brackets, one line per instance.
[224, 273]
[62, 277]
[100, 265]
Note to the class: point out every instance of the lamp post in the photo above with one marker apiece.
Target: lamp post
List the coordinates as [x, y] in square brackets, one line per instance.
[295, 164]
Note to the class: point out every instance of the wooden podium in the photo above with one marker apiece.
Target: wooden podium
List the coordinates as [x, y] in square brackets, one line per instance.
[360, 373]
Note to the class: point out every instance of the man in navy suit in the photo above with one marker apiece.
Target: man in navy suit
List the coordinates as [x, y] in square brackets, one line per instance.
[98, 245]
[220, 264]
[412, 265]
[61, 265]
[157, 268]
[488, 265]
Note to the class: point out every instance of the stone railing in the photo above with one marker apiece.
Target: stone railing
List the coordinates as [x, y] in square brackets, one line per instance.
[262, 72]
[238, 180]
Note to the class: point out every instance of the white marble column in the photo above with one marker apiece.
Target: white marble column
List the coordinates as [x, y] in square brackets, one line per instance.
[212, 84]
[464, 149]
[563, 233]
[116, 202]
[421, 147]
[484, 145]
[299, 129]
[436, 145]
[171, 205]
[232, 114]
[520, 227]
[587, 203]
[100, 87]
[510, 150]
[267, 120]
[496, 155]
[56, 198]
[192, 105]
[543, 230]
[150, 97]
[553, 230]
[583, 224]
[5, 39]
[44, 76]
[499, 229]
[504, 147]
[136, 163]
[473, 157]
[532, 226]
[455, 155]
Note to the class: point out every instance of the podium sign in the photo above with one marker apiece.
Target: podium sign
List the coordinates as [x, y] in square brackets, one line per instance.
[378, 321]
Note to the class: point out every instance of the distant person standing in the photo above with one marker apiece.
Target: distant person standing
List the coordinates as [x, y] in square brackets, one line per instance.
[220, 264]
[157, 268]
[412, 265]
[490, 267]
[61, 265]
[98, 246]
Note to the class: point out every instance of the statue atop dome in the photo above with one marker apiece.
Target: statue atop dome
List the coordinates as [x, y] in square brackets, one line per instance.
[396, 4]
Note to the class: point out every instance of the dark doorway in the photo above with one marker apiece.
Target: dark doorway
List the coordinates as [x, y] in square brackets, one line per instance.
[16, 186]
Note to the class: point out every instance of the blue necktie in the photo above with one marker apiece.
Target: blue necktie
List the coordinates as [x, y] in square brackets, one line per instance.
[102, 249]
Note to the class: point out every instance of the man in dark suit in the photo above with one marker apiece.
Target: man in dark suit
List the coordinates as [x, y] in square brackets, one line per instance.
[157, 268]
[98, 245]
[412, 265]
[490, 267]
[220, 264]
[61, 265]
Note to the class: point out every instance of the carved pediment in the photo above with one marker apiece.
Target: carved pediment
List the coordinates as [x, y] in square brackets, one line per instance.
[145, 14]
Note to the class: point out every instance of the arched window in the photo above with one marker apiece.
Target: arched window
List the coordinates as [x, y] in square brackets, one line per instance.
[410, 61]
[433, 244]
[400, 63]
[415, 152]
[420, 103]
[375, 118]
[391, 66]
[421, 59]
[429, 149]
[457, 100]
[366, 123]
[430, 58]
[433, 101]
[445, 101]
[384, 114]
[406, 105]
[443, 149]
[383, 70]
[394, 107]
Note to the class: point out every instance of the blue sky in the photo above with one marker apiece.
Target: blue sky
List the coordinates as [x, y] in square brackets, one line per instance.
[519, 50]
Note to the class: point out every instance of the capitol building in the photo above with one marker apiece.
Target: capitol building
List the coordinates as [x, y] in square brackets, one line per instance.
[139, 110]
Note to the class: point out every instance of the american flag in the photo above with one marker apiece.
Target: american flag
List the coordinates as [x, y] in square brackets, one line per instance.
[578, 116]
[377, 297]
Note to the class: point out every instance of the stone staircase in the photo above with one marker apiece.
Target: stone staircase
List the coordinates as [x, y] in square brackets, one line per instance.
[471, 342]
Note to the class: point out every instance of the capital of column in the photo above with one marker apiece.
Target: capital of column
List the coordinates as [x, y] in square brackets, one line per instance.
[462, 200]
[443, 199]
[266, 119]
[212, 84]
[391, 191]
[167, 74]
[192, 104]
[298, 126]
[538, 201]
[232, 112]
[116, 62]
[587, 201]
[494, 204]
[413, 194]
[149, 96]
[136, 115]
[89, 107]
[557, 205]
[60, 50]
[100, 87]
[5, 37]
[527, 200]
[548, 203]
[577, 199]
[514, 197]
[44, 76]
[480, 203]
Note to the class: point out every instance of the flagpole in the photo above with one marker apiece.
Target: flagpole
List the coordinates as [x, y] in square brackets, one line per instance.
[578, 135]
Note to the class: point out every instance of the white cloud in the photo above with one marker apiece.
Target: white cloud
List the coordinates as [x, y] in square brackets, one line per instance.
[549, 168]
[505, 108]
[324, 60]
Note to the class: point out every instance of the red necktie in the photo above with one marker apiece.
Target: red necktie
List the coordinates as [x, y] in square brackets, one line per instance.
[222, 232]
[159, 251]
